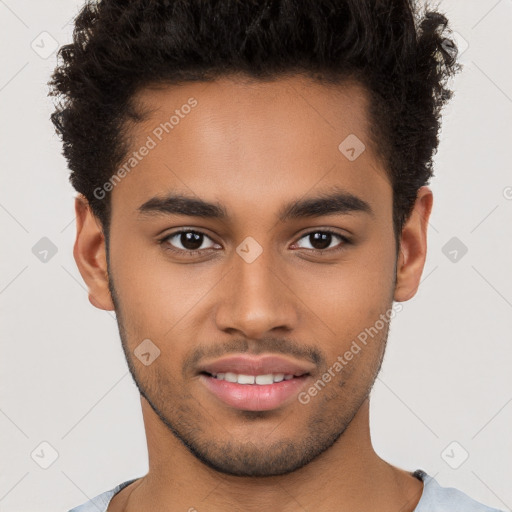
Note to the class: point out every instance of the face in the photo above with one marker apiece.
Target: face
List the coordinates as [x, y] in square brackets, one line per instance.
[247, 254]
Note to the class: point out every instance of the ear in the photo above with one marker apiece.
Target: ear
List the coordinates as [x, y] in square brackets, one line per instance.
[90, 255]
[413, 247]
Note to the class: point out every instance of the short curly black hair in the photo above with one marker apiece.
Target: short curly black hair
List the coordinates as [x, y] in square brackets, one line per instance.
[400, 55]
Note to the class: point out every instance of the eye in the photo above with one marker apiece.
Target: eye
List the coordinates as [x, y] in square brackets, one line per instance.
[191, 242]
[321, 240]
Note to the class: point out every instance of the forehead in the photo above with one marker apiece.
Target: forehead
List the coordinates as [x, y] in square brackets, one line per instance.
[245, 140]
[230, 109]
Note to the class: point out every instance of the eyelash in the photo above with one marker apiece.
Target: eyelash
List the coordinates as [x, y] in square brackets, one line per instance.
[191, 253]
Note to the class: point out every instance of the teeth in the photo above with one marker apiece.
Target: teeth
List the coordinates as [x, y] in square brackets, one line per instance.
[269, 378]
[246, 379]
[230, 377]
[264, 379]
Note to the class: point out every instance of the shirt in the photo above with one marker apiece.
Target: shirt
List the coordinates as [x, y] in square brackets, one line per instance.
[434, 498]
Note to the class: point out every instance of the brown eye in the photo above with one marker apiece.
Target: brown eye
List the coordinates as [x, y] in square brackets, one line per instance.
[186, 241]
[321, 240]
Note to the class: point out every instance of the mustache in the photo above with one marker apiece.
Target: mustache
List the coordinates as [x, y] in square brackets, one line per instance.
[269, 345]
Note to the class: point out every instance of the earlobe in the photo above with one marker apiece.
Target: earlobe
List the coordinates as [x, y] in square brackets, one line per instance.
[413, 247]
[90, 255]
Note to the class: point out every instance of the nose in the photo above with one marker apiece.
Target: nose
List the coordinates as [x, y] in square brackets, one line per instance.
[255, 299]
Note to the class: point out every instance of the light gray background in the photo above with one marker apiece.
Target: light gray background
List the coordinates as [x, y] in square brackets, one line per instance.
[446, 376]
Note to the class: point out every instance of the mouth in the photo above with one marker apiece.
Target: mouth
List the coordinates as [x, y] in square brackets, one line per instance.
[254, 392]
[251, 383]
[245, 366]
[259, 380]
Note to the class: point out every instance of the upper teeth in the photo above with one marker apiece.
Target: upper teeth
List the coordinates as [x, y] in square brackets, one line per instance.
[253, 379]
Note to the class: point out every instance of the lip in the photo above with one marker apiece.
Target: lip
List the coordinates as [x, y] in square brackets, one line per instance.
[255, 397]
[257, 365]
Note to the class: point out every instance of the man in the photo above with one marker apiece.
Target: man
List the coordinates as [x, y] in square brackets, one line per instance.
[253, 205]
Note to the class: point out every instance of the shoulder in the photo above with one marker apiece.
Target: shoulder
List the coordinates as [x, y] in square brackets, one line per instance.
[436, 498]
[100, 503]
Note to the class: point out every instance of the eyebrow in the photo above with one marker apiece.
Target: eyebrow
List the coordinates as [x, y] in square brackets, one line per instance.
[334, 202]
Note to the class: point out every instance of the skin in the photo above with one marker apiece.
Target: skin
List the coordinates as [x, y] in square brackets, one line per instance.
[252, 147]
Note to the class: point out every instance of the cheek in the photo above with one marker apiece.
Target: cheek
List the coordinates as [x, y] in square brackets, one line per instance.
[345, 303]
[350, 293]
[155, 294]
